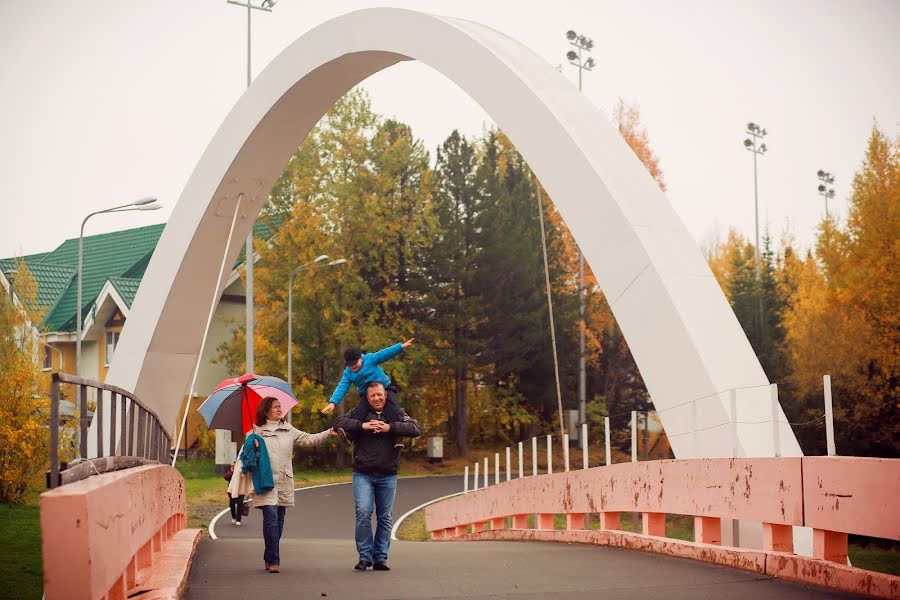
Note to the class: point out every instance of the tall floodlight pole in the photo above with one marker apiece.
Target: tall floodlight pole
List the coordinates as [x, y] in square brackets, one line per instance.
[584, 44]
[142, 204]
[753, 144]
[825, 179]
[265, 6]
[310, 265]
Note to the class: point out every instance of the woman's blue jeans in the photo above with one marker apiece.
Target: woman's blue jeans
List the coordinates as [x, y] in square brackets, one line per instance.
[273, 525]
[373, 491]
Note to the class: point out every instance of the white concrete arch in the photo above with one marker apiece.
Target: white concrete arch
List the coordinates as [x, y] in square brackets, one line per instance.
[679, 326]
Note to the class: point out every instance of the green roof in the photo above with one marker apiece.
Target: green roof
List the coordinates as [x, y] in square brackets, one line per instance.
[120, 257]
[127, 288]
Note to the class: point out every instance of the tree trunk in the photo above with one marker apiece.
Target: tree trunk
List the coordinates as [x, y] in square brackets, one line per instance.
[462, 443]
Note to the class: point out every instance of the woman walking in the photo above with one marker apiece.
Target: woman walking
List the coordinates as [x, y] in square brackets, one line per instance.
[280, 438]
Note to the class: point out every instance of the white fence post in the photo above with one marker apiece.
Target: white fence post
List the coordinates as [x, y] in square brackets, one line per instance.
[732, 395]
[496, 468]
[486, 480]
[466, 482]
[776, 426]
[584, 446]
[829, 417]
[549, 454]
[634, 436]
[475, 483]
[606, 435]
[566, 452]
[521, 462]
[534, 455]
[508, 465]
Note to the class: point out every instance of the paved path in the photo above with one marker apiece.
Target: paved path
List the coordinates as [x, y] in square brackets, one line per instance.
[317, 556]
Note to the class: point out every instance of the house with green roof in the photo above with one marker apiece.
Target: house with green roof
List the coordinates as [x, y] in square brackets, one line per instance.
[113, 265]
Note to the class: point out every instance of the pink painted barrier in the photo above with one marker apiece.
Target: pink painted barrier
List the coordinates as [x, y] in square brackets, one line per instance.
[103, 536]
[833, 495]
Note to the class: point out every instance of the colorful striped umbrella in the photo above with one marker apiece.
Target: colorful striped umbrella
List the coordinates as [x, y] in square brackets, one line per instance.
[233, 405]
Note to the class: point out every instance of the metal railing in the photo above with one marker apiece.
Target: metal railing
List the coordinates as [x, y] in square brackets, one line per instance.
[128, 434]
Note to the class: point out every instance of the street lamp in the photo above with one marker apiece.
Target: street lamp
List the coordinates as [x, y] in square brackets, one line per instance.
[583, 44]
[142, 204]
[265, 6]
[315, 264]
[827, 179]
[752, 144]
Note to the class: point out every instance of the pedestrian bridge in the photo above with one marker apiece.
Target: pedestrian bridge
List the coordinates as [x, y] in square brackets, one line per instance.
[122, 533]
[128, 531]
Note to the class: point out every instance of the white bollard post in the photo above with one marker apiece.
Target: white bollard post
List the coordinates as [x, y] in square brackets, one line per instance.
[584, 446]
[606, 435]
[566, 451]
[732, 395]
[496, 468]
[634, 436]
[475, 483]
[549, 454]
[829, 417]
[486, 480]
[776, 426]
[521, 462]
[534, 455]
[508, 465]
[466, 482]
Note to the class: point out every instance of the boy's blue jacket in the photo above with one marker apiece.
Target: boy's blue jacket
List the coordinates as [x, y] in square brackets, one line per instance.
[370, 371]
[256, 460]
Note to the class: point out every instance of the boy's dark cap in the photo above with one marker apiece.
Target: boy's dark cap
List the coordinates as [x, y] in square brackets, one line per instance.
[351, 356]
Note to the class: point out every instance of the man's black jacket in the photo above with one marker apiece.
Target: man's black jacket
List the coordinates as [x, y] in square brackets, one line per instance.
[374, 453]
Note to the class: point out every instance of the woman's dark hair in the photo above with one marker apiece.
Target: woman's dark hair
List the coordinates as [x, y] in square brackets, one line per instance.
[262, 411]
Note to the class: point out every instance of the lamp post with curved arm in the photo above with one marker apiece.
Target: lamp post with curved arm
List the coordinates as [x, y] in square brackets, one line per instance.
[310, 265]
[142, 204]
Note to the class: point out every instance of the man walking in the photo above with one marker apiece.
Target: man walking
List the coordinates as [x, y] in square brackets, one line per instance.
[375, 464]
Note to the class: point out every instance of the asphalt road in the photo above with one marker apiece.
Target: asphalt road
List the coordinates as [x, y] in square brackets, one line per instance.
[318, 554]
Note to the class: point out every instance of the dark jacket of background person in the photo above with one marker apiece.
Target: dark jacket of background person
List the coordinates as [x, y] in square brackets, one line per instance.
[256, 461]
[374, 453]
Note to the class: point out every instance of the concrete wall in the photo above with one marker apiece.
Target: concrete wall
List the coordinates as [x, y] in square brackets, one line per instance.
[97, 534]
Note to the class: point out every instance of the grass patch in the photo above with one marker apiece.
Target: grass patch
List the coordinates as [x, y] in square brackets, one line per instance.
[875, 558]
[22, 570]
[413, 528]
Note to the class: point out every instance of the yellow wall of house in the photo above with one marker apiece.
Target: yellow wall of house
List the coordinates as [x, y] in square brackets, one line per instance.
[195, 423]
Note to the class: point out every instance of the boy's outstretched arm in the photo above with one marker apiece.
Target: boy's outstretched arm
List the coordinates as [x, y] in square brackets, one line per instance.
[386, 354]
[338, 394]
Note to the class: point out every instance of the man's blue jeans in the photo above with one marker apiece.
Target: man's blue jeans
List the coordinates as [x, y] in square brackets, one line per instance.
[372, 491]
[273, 525]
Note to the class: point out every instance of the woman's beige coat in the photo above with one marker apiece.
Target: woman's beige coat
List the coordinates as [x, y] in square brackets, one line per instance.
[280, 441]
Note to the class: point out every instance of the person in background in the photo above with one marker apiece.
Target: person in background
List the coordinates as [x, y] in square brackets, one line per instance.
[235, 503]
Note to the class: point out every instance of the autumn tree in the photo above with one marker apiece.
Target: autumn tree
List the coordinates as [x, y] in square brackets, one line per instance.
[24, 439]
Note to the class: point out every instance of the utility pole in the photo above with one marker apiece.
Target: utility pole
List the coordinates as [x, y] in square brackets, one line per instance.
[584, 44]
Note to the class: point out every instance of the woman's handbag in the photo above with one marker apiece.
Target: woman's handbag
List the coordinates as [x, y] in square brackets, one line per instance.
[245, 509]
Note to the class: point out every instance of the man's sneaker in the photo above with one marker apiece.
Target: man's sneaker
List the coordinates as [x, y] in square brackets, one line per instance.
[381, 566]
[362, 565]
[238, 523]
[399, 445]
[233, 521]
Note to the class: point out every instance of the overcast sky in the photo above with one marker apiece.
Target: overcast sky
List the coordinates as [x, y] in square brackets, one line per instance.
[105, 102]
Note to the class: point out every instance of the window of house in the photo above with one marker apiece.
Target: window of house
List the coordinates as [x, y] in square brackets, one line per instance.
[48, 358]
[112, 339]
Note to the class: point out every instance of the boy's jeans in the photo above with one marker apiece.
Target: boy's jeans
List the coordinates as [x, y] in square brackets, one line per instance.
[374, 491]
[273, 525]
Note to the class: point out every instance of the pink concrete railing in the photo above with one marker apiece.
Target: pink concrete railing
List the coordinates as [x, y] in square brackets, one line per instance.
[103, 536]
[834, 496]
